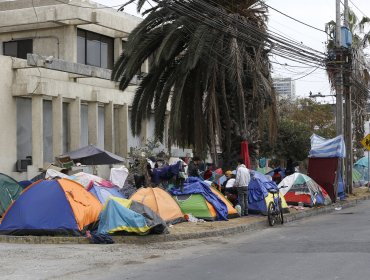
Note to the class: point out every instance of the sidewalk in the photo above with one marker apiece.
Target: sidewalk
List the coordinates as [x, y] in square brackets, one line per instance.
[189, 230]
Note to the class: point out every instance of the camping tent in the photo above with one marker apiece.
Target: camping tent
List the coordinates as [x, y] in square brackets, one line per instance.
[258, 195]
[161, 202]
[127, 216]
[301, 188]
[9, 191]
[195, 202]
[361, 169]
[51, 208]
[103, 193]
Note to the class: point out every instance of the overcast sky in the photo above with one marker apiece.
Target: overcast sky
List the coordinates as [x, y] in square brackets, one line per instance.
[315, 13]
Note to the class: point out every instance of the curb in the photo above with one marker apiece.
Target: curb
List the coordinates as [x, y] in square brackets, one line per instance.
[176, 237]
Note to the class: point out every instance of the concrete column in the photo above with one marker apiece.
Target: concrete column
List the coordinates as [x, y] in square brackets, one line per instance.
[117, 48]
[57, 104]
[122, 131]
[75, 124]
[37, 131]
[69, 49]
[92, 115]
[109, 127]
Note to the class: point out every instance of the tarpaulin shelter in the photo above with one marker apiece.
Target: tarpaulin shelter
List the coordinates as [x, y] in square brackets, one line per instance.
[104, 193]
[10, 190]
[258, 195]
[301, 188]
[52, 207]
[324, 161]
[92, 155]
[161, 202]
[123, 216]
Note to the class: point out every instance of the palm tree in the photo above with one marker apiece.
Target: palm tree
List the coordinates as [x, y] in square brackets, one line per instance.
[218, 85]
[359, 74]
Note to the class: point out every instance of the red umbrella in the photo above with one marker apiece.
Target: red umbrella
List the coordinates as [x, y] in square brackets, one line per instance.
[244, 154]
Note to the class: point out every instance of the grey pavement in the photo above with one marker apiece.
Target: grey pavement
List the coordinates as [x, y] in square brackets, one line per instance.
[332, 246]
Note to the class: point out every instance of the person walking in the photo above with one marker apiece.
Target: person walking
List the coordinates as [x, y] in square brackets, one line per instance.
[241, 183]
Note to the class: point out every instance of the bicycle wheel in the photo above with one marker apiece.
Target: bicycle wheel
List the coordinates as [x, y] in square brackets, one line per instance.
[271, 213]
[281, 212]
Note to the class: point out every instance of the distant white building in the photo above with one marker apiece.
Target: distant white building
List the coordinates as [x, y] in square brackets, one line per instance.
[285, 87]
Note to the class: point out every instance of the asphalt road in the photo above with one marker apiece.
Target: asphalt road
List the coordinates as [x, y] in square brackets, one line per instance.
[334, 246]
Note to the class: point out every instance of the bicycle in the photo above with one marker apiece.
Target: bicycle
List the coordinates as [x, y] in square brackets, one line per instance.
[274, 209]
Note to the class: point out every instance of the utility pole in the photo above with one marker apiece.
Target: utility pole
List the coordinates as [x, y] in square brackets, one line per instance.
[348, 107]
[338, 87]
[338, 76]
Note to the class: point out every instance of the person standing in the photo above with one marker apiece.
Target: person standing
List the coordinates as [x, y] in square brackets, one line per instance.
[241, 183]
[193, 167]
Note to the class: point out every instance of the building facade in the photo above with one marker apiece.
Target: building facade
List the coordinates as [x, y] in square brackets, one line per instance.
[285, 87]
[55, 88]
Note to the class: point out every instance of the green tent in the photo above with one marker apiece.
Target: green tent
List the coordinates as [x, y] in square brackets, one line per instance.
[9, 191]
[196, 205]
[361, 171]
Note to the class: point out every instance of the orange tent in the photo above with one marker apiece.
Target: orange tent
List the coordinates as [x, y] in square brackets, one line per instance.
[231, 211]
[161, 202]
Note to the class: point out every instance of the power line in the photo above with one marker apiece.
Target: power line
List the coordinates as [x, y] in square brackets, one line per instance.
[305, 75]
[292, 18]
[358, 9]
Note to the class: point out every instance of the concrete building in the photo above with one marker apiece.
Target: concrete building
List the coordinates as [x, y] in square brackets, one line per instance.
[285, 87]
[55, 88]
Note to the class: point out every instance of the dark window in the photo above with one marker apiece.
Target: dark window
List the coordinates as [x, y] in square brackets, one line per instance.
[94, 49]
[19, 48]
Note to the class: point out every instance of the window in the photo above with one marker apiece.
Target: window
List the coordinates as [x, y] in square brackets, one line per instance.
[94, 49]
[19, 48]
[24, 127]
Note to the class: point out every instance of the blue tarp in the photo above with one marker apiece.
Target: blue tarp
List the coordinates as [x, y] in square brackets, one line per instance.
[165, 173]
[194, 185]
[327, 148]
[258, 190]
